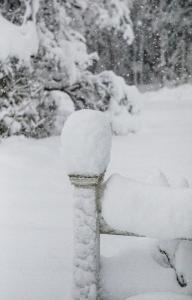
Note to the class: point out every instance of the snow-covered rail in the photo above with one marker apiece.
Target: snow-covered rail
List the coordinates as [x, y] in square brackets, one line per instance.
[151, 211]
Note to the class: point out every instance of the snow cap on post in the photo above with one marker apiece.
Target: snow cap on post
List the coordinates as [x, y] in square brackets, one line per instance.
[86, 143]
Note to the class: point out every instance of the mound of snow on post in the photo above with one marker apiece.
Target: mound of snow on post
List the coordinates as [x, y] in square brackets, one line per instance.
[17, 41]
[86, 143]
[160, 296]
[153, 211]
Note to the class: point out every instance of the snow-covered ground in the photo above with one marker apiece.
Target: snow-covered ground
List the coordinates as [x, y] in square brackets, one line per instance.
[36, 212]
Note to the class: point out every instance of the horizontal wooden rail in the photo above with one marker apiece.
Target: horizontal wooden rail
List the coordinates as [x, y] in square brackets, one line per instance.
[106, 229]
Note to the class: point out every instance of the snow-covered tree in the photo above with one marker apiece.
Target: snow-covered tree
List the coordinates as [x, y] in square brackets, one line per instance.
[59, 61]
[160, 51]
[110, 35]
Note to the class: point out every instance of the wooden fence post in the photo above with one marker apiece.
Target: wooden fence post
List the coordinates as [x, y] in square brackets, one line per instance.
[86, 237]
[86, 142]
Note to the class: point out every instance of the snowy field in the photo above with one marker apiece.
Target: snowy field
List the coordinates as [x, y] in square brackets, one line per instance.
[36, 207]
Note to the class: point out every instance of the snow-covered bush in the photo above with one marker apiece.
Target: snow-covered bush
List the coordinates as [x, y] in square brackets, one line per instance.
[122, 108]
[46, 42]
[68, 61]
[109, 93]
[17, 89]
[63, 54]
[25, 108]
[69, 52]
[13, 10]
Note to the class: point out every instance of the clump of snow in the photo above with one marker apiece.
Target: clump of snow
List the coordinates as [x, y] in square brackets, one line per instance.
[158, 178]
[65, 107]
[160, 296]
[184, 182]
[68, 48]
[128, 269]
[124, 103]
[164, 252]
[13, 125]
[18, 41]
[153, 211]
[182, 261]
[86, 143]
[176, 254]
[134, 98]
[123, 123]
[73, 56]
[116, 15]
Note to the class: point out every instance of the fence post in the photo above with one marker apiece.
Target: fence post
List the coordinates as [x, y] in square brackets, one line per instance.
[86, 140]
[86, 237]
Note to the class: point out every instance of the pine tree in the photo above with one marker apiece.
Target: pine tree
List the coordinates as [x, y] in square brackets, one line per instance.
[162, 41]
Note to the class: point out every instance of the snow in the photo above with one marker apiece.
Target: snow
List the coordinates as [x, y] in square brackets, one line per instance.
[123, 123]
[129, 268]
[86, 132]
[68, 50]
[152, 211]
[179, 254]
[160, 296]
[36, 221]
[164, 142]
[36, 209]
[117, 16]
[85, 245]
[158, 178]
[63, 101]
[182, 261]
[182, 92]
[124, 106]
[18, 41]
[65, 107]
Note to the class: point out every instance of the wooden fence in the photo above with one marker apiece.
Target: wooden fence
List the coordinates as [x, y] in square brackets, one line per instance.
[88, 191]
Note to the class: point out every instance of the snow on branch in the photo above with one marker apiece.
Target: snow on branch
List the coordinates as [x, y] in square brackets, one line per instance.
[115, 14]
[18, 41]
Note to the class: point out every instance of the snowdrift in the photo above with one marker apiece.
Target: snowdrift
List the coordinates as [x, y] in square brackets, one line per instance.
[160, 296]
[153, 211]
[129, 269]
